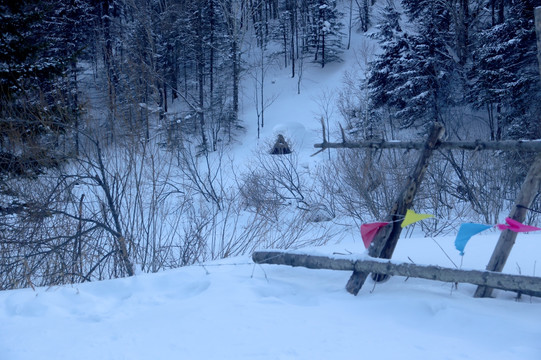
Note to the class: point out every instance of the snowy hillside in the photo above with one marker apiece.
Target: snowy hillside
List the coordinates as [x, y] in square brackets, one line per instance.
[233, 309]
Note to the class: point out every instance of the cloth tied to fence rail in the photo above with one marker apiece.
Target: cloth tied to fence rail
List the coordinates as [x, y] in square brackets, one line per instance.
[516, 226]
[369, 231]
[412, 217]
[465, 233]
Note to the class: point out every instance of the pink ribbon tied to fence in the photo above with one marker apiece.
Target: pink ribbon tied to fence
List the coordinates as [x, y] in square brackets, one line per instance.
[369, 231]
[516, 226]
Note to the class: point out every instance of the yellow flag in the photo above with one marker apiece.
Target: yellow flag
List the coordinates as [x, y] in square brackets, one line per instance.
[412, 217]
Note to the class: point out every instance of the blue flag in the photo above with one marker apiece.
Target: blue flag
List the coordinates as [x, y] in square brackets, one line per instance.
[465, 232]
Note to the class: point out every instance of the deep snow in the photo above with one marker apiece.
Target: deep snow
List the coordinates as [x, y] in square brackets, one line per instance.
[233, 309]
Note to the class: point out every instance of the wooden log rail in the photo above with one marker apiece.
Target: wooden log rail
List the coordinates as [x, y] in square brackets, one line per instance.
[508, 145]
[528, 285]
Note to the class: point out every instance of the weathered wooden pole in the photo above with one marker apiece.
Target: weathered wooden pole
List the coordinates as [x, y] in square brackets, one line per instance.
[386, 239]
[475, 145]
[528, 285]
[528, 191]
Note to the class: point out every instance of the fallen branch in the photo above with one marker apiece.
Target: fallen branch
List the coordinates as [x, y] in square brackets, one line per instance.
[528, 285]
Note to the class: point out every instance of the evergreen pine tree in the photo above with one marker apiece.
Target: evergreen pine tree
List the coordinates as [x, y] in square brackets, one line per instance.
[505, 78]
[40, 45]
[327, 31]
[415, 75]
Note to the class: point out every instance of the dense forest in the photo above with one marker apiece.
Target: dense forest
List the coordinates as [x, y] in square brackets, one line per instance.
[116, 117]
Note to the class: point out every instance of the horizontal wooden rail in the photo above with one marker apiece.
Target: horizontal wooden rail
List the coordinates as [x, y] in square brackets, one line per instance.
[528, 285]
[507, 145]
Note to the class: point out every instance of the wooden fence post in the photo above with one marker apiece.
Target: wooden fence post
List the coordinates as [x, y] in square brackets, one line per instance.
[528, 191]
[386, 239]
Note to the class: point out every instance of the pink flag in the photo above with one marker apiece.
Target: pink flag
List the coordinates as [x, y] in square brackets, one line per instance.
[369, 231]
[516, 226]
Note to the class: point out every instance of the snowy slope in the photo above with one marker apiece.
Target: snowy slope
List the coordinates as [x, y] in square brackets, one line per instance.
[234, 309]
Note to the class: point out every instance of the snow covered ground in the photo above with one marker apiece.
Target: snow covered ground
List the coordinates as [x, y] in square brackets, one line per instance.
[233, 309]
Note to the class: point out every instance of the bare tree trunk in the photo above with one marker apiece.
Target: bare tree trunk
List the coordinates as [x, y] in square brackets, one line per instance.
[235, 53]
[538, 31]
[235, 14]
[109, 64]
[323, 51]
[200, 64]
[284, 37]
[462, 25]
[262, 87]
[293, 22]
[77, 262]
[501, 11]
[364, 13]
[350, 23]
[299, 73]
[529, 285]
[121, 241]
[528, 191]
[165, 105]
[212, 46]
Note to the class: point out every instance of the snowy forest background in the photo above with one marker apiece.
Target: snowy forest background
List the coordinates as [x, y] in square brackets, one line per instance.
[120, 120]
